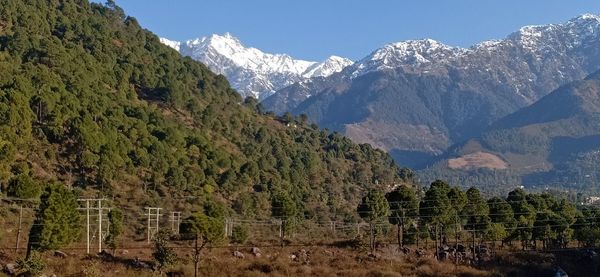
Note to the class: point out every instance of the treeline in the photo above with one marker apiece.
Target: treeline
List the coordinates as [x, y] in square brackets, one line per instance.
[444, 213]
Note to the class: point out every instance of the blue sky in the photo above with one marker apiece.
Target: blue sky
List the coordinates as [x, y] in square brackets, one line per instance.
[316, 29]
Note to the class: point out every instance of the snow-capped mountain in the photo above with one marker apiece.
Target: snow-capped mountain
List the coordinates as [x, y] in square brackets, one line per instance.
[171, 43]
[251, 71]
[417, 98]
[411, 53]
[540, 41]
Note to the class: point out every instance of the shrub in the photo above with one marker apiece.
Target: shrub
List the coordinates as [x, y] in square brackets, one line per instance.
[32, 265]
[239, 234]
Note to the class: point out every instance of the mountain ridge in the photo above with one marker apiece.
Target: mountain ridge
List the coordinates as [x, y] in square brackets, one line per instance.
[251, 71]
[455, 92]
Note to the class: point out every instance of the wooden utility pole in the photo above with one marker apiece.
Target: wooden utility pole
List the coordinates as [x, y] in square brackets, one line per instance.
[153, 214]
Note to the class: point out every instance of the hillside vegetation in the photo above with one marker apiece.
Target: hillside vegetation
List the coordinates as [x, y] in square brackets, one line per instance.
[91, 100]
[554, 142]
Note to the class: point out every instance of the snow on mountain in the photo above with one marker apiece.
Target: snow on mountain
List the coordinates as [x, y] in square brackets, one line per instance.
[173, 44]
[251, 71]
[411, 53]
[538, 40]
[331, 65]
[427, 96]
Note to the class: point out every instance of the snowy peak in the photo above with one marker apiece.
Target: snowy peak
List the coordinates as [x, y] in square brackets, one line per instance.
[331, 65]
[249, 70]
[173, 44]
[412, 53]
[246, 57]
[535, 39]
[571, 33]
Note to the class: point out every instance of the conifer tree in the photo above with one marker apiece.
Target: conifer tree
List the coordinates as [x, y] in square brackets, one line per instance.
[404, 206]
[373, 208]
[57, 222]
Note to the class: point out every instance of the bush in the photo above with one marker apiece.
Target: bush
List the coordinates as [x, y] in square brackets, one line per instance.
[23, 186]
[32, 266]
[239, 234]
[164, 255]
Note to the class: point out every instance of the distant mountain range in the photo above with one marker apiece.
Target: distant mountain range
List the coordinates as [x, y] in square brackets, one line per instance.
[417, 98]
[250, 71]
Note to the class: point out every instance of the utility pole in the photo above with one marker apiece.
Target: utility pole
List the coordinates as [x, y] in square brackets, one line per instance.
[87, 211]
[175, 222]
[19, 230]
[153, 214]
[473, 237]
[228, 227]
[88, 207]
[281, 234]
[455, 238]
[99, 225]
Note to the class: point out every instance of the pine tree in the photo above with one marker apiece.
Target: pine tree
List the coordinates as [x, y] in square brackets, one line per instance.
[404, 206]
[204, 228]
[373, 208]
[524, 215]
[476, 212]
[502, 217]
[115, 218]
[57, 222]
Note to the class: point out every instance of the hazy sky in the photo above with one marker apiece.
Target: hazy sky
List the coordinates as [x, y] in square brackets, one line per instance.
[316, 29]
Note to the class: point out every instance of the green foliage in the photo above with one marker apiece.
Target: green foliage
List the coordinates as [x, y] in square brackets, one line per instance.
[57, 222]
[403, 203]
[404, 206]
[496, 232]
[83, 86]
[587, 226]
[239, 234]
[23, 186]
[476, 212]
[435, 207]
[373, 206]
[33, 265]
[163, 254]
[208, 229]
[115, 218]
[501, 213]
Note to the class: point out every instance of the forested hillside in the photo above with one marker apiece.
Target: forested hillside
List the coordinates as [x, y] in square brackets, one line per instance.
[91, 100]
[554, 142]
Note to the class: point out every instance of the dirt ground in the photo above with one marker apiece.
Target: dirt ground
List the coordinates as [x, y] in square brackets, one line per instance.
[310, 261]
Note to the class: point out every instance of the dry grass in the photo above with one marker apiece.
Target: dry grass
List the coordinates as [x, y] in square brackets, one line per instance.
[477, 160]
[320, 261]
